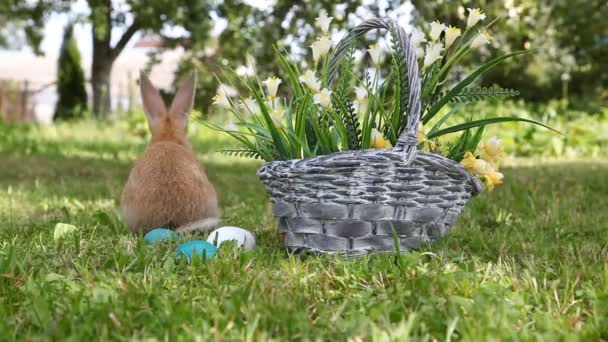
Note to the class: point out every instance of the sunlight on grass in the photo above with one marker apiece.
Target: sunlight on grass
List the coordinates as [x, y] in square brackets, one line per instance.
[527, 261]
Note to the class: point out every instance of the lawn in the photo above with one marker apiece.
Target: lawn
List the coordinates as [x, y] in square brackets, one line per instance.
[527, 261]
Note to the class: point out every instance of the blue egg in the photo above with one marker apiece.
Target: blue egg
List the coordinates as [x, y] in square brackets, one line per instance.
[199, 247]
[159, 235]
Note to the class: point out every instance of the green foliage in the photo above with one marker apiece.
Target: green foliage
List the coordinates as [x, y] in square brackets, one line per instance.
[527, 263]
[72, 102]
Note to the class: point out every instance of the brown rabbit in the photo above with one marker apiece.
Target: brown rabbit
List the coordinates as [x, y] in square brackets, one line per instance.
[167, 186]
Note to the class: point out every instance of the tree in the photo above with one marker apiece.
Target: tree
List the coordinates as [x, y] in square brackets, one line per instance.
[107, 17]
[71, 89]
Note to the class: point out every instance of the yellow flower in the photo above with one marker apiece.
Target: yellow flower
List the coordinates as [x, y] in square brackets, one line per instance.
[477, 166]
[422, 140]
[378, 140]
[492, 178]
[491, 151]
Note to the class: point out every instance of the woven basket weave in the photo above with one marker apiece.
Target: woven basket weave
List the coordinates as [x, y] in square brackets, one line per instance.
[354, 202]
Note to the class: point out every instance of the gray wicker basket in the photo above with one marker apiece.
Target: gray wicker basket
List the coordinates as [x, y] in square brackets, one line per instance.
[354, 202]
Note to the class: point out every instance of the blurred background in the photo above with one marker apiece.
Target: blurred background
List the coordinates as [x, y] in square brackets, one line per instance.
[64, 60]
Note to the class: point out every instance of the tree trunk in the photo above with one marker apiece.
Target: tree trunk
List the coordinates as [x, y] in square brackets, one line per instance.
[100, 82]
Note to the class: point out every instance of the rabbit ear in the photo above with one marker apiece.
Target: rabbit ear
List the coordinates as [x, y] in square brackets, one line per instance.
[184, 99]
[154, 106]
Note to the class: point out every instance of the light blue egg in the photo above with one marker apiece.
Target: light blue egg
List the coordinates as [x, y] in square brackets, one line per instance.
[196, 247]
[159, 235]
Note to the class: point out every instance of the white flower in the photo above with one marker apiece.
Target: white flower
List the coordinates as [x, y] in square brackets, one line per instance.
[323, 21]
[493, 146]
[375, 52]
[277, 115]
[451, 33]
[320, 47]
[417, 37]
[272, 84]
[566, 77]
[361, 93]
[481, 40]
[220, 98]
[249, 105]
[310, 80]
[436, 29]
[231, 127]
[360, 106]
[475, 15]
[419, 52]
[433, 54]
[323, 98]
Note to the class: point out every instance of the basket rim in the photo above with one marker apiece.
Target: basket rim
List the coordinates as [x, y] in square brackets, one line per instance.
[431, 157]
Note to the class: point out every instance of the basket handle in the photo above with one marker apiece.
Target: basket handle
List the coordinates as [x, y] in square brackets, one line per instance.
[408, 139]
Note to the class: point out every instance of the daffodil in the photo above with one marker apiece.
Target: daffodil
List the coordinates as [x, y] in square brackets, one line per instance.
[436, 29]
[220, 98]
[491, 151]
[422, 140]
[375, 52]
[475, 15]
[433, 54]
[451, 33]
[378, 140]
[323, 98]
[492, 178]
[249, 105]
[272, 85]
[481, 40]
[477, 166]
[417, 37]
[310, 79]
[323, 21]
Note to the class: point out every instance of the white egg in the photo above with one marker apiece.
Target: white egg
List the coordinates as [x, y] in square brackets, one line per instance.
[243, 238]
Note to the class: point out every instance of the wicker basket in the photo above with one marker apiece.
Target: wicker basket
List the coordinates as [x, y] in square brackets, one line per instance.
[354, 202]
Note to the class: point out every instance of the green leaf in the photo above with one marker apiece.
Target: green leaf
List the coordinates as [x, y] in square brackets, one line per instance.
[483, 122]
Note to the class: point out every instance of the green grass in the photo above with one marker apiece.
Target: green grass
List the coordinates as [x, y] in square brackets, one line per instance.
[526, 262]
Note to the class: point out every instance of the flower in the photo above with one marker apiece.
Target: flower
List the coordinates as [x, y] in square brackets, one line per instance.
[220, 98]
[492, 178]
[323, 98]
[451, 33]
[310, 79]
[422, 140]
[419, 52]
[320, 47]
[231, 126]
[361, 93]
[433, 54]
[436, 29]
[491, 151]
[477, 166]
[417, 37]
[249, 105]
[378, 140]
[323, 21]
[475, 15]
[272, 84]
[481, 40]
[375, 53]
[360, 106]
[277, 115]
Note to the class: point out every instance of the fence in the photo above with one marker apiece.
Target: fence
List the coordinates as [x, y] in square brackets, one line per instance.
[15, 101]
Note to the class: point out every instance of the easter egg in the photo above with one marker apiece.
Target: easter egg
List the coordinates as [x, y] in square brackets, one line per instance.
[244, 239]
[196, 247]
[159, 235]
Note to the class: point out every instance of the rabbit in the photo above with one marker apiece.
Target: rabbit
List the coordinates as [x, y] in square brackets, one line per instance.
[167, 186]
